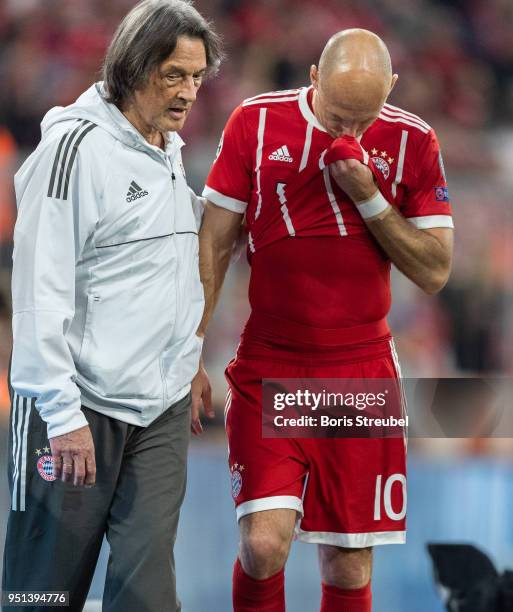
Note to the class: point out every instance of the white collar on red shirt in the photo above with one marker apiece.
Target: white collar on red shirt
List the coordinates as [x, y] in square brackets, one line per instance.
[305, 109]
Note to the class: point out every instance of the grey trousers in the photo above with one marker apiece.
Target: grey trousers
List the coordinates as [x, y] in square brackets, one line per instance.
[55, 530]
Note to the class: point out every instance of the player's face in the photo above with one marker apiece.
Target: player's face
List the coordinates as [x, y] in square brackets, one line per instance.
[166, 100]
[349, 104]
[342, 120]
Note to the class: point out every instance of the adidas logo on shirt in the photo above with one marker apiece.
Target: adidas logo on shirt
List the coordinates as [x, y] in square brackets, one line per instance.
[281, 154]
[135, 192]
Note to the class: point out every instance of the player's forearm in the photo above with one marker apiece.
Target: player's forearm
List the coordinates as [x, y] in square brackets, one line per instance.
[218, 234]
[214, 263]
[421, 256]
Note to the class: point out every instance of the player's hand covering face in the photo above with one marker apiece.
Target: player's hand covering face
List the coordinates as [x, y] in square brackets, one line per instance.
[164, 102]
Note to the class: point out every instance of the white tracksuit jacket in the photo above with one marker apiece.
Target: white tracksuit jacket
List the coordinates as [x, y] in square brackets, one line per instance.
[106, 289]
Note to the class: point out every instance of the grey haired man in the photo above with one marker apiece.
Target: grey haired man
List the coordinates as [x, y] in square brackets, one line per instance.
[106, 304]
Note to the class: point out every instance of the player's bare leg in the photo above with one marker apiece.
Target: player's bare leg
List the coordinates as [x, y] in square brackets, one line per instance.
[265, 539]
[346, 574]
[346, 568]
[258, 578]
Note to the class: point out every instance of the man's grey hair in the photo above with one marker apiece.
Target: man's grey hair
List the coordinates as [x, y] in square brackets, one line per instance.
[146, 37]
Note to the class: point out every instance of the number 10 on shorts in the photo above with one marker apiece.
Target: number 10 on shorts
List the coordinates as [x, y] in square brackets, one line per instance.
[383, 497]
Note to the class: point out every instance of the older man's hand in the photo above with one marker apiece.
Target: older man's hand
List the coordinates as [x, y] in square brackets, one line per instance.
[73, 457]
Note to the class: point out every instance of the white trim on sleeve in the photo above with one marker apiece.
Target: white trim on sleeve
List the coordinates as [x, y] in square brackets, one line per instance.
[224, 201]
[430, 221]
[351, 540]
[269, 503]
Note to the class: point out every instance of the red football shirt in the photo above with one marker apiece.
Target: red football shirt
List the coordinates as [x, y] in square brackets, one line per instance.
[313, 261]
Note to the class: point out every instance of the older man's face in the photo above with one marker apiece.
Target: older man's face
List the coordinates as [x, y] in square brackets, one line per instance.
[165, 101]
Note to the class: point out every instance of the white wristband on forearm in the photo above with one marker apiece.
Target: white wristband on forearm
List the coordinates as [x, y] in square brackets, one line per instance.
[373, 206]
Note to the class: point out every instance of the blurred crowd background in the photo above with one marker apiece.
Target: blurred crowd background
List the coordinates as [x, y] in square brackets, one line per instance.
[455, 64]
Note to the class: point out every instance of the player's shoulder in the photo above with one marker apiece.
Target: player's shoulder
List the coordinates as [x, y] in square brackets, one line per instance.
[400, 119]
[278, 103]
[274, 98]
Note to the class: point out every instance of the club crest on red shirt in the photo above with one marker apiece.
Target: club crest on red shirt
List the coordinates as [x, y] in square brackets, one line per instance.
[382, 161]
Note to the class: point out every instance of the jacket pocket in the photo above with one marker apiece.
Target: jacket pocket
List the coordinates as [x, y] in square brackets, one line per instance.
[180, 364]
[92, 302]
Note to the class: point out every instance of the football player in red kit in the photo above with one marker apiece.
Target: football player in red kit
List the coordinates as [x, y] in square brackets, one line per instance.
[334, 185]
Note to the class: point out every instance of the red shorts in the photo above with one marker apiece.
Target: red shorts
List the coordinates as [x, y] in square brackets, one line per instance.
[348, 492]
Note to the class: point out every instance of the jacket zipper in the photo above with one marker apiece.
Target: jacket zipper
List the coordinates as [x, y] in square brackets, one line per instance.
[169, 164]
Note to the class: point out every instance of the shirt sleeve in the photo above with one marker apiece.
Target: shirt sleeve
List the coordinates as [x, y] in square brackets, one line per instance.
[229, 181]
[427, 202]
[51, 230]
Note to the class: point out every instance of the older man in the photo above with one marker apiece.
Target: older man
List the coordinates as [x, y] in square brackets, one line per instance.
[304, 166]
[107, 299]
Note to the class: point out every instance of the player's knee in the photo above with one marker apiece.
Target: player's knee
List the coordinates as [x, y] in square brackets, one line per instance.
[346, 568]
[263, 554]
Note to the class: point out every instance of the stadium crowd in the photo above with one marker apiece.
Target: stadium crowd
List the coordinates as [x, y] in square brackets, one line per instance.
[455, 63]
